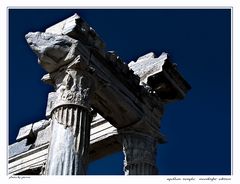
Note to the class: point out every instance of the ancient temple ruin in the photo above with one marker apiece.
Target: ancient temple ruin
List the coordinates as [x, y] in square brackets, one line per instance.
[100, 105]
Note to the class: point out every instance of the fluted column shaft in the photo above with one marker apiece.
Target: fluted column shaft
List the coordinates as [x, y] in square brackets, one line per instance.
[140, 154]
[68, 150]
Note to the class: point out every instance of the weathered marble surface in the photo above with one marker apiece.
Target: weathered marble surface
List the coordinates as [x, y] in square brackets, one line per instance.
[30, 162]
[115, 95]
[53, 51]
[160, 76]
[25, 132]
[148, 65]
[18, 148]
[40, 125]
[103, 135]
[68, 149]
[71, 51]
[43, 137]
[27, 137]
[75, 27]
[140, 152]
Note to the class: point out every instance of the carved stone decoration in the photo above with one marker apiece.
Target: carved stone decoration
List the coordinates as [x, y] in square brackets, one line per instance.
[140, 154]
[71, 118]
[70, 109]
[86, 77]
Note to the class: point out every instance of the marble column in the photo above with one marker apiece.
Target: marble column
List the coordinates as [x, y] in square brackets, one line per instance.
[71, 118]
[140, 154]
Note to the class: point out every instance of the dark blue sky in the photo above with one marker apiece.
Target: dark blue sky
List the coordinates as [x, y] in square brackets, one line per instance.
[198, 128]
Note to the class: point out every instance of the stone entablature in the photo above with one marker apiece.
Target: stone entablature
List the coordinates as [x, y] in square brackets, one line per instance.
[87, 79]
